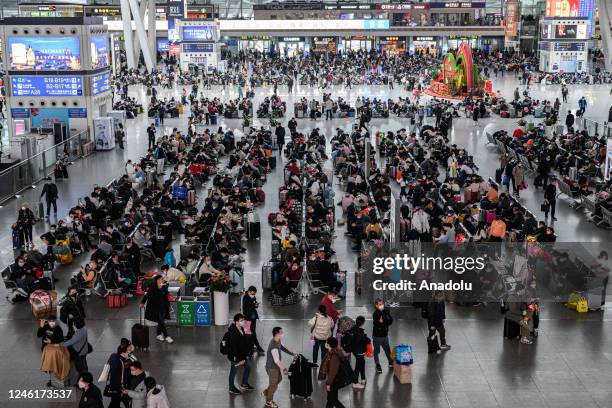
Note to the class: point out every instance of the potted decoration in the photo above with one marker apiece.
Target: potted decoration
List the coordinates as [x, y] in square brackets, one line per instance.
[220, 285]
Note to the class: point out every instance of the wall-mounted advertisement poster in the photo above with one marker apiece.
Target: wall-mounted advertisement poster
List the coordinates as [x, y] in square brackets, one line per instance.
[44, 53]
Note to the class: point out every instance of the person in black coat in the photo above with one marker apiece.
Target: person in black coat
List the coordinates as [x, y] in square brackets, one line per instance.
[132, 254]
[360, 344]
[25, 219]
[50, 330]
[72, 310]
[280, 138]
[292, 126]
[51, 194]
[240, 347]
[91, 396]
[119, 375]
[569, 120]
[550, 195]
[381, 320]
[249, 309]
[436, 316]
[157, 307]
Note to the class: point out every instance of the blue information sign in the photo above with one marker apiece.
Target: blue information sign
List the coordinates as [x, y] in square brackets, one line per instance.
[202, 313]
[20, 113]
[199, 33]
[47, 85]
[77, 112]
[100, 83]
[202, 47]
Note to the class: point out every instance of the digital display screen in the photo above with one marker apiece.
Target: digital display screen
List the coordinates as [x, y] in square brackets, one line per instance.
[199, 33]
[162, 45]
[570, 8]
[100, 83]
[44, 53]
[100, 51]
[545, 31]
[566, 31]
[208, 47]
[26, 85]
[569, 46]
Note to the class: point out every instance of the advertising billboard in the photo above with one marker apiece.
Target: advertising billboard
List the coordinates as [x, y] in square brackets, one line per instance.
[513, 12]
[199, 33]
[566, 31]
[44, 53]
[100, 51]
[56, 85]
[570, 8]
[176, 11]
[162, 45]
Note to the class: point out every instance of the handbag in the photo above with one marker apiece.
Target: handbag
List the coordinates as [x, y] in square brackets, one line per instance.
[110, 391]
[312, 339]
[104, 374]
[545, 207]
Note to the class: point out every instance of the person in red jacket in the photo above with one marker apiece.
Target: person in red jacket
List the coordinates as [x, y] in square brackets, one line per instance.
[328, 301]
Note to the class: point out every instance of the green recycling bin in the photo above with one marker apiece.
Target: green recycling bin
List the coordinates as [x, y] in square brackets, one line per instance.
[186, 311]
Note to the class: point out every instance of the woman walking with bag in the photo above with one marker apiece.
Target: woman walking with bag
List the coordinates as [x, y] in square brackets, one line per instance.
[329, 370]
[321, 326]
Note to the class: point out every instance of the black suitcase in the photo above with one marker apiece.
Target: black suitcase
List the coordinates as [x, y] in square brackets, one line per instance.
[512, 330]
[272, 162]
[432, 344]
[140, 334]
[498, 175]
[254, 230]
[300, 378]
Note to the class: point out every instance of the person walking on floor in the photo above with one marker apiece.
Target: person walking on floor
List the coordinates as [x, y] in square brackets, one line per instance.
[78, 346]
[569, 121]
[274, 366]
[249, 309]
[321, 326]
[118, 376]
[137, 390]
[155, 303]
[380, 333]
[280, 138]
[160, 155]
[239, 348]
[436, 317]
[51, 194]
[156, 394]
[25, 220]
[550, 197]
[329, 370]
[151, 136]
[360, 342]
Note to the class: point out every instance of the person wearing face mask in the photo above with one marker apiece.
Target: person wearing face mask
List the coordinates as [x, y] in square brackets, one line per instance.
[78, 346]
[25, 219]
[91, 396]
[72, 310]
[157, 307]
[274, 366]
[381, 321]
[249, 309]
[239, 349]
[118, 376]
[49, 330]
[329, 370]
[137, 390]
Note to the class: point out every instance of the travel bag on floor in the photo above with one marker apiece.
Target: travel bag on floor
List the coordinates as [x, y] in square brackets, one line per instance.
[512, 330]
[433, 345]
[300, 378]
[140, 333]
[116, 300]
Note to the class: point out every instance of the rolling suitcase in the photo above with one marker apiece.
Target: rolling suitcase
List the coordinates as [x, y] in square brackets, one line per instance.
[272, 162]
[266, 275]
[17, 238]
[41, 211]
[191, 197]
[253, 226]
[300, 378]
[237, 278]
[140, 334]
[512, 330]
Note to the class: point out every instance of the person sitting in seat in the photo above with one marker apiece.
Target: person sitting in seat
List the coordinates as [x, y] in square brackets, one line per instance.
[171, 274]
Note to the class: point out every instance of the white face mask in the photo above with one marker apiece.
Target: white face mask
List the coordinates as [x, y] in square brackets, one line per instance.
[23, 208]
[81, 385]
[380, 307]
[52, 324]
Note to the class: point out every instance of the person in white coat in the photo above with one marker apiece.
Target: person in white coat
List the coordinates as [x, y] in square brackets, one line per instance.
[321, 326]
[156, 394]
[420, 222]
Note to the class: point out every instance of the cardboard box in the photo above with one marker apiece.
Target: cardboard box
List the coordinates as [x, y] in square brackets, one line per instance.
[403, 373]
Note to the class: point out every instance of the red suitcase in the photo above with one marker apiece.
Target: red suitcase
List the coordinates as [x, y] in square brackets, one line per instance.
[116, 300]
[191, 197]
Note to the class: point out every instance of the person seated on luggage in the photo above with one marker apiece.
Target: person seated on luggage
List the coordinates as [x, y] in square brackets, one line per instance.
[293, 274]
[49, 331]
[172, 274]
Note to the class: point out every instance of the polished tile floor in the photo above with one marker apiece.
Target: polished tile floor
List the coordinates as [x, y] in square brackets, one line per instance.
[570, 365]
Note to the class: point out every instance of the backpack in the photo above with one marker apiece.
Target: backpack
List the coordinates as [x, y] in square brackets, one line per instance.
[224, 345]
[347, 341]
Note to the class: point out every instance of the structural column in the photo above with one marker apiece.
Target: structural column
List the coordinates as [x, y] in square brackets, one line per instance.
[126, 17]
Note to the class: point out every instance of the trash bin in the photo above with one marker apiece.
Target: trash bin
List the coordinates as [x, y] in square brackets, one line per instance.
[185, 311]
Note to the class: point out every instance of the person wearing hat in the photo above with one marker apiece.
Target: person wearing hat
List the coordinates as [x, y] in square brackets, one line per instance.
[49, 330]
